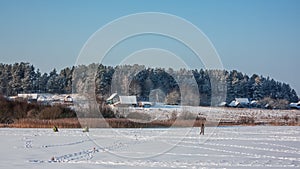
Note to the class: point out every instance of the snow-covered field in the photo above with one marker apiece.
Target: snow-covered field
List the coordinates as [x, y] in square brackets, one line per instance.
[220, 147]
[223, 114]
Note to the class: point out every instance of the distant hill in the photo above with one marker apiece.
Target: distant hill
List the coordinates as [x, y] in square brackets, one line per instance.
[146, 83]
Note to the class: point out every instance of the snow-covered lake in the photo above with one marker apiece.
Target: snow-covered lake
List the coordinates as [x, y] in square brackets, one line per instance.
[220, 147]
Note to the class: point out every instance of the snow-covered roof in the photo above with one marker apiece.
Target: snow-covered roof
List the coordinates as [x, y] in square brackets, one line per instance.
[222, 104]
[68, 98]
[28, 96]
[42, 98]
[58, 97]
[233, 103]
[238, 101]
[253, 102]
[128, 99]
[145, 103]
[12, 97]
[242, 100]
[112, 96]
[295, 105]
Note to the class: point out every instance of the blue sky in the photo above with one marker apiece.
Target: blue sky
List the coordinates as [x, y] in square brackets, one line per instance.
[252, 36]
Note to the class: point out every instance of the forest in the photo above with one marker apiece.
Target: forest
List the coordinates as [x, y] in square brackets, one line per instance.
[190, 87]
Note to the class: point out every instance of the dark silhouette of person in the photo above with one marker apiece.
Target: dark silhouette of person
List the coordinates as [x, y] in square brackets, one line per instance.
[202, 129]
[55, 128]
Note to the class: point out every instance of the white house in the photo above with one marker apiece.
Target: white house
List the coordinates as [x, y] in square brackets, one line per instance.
[42, 99]
[128, 100]
[29, 96]
[239, 102]
[144, 104]
[116, 100]
[68, 99]
[295, 105]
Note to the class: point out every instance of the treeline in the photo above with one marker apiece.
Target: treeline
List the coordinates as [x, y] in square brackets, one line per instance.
[170, 86]
[162, 85]
[24, 78]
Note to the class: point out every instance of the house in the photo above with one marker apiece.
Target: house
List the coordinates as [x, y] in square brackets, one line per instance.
[30, 97]
[144, 104]
[222, 104]
[44, 98]
[62, 99]
[128, 100]
[295, 105]
[57, 98]
[239, 102]
[112, 99]
[33, 97]
[12, 98]
[233, 103]
[68, 99]
[253, 103]
[116, 100]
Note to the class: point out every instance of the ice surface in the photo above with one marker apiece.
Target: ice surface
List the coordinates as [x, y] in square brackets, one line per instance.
[221, 147]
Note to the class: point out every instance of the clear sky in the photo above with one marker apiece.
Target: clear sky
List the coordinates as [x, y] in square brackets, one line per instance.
[252, 36]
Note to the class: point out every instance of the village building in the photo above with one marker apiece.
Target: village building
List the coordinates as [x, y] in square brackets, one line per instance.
[68, 100]
[240, 102]
[44, 98]
[144, 104]
[30, 97]
[295, 105]
[121, 101]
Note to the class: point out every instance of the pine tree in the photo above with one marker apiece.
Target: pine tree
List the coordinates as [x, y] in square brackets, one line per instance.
[29, 78]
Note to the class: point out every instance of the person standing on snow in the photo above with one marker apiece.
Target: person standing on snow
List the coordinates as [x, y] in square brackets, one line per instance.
[202, 119]
[202, 129]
